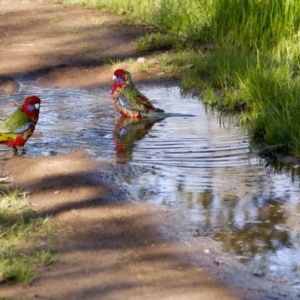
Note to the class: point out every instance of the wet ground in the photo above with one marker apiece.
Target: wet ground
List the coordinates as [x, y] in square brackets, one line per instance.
[190, 159]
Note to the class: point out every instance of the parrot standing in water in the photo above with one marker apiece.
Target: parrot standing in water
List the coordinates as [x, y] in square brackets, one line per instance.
[129, 101]
[18, 127]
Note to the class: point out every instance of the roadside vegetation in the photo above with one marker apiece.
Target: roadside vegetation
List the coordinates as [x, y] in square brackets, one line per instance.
[245, 57]
[24, 240]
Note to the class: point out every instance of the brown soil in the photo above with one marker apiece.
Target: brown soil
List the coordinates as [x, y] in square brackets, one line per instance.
[108, 246]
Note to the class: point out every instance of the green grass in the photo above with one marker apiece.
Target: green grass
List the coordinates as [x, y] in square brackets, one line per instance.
[255, 23]
[254, 68]
[24, 240]
[99, 21]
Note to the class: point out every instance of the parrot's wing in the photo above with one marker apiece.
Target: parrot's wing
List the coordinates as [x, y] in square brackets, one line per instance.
[134, 96]
[16, 130]
[144, 100]
[24, 128]
[17, 122]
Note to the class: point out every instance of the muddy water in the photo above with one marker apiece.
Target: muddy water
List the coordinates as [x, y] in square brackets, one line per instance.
[193, 160]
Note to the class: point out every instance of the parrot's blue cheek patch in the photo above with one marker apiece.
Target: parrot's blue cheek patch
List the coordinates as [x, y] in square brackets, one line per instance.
[31, 107]
[122, 102]
[119, 80]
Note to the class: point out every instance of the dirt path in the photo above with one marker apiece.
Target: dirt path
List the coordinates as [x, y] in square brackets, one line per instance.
[108, 247]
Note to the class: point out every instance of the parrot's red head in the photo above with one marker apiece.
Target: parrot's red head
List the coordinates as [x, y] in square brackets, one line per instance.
[120, 76]
[31, 106]
[119, 72]
[122, 79]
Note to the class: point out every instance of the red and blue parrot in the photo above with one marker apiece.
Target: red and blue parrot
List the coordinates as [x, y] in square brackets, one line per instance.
[128, 100]
[18, 127]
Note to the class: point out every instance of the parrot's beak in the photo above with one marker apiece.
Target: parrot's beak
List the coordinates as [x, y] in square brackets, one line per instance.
[114, 77]
[37, 106]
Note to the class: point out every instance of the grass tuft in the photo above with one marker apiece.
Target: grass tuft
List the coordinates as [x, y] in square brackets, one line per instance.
[24, 239]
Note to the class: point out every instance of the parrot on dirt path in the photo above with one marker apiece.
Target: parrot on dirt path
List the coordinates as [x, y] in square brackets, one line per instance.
[18, 127]
[128, 100]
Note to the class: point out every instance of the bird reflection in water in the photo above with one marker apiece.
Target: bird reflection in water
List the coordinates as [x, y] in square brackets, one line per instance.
[127, 132]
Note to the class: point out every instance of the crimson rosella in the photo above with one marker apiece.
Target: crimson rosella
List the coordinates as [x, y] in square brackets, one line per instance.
[129, 101]
[19, 126]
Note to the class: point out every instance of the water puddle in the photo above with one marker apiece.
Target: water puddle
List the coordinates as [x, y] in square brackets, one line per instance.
[194, 160]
